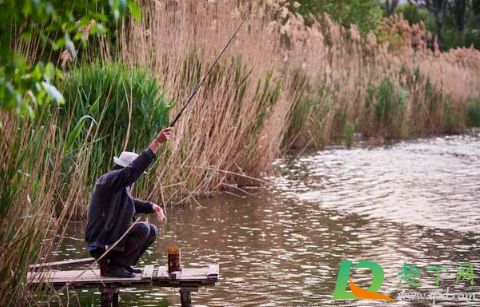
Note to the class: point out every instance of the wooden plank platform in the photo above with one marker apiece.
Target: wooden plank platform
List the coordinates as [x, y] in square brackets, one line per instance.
[152, 275]
[188, 280]
[57, 264]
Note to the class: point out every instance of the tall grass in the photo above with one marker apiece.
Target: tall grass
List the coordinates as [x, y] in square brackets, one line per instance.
[474, 113]
[50, 164]
[125, 105]
[283, 84]
[331, 81]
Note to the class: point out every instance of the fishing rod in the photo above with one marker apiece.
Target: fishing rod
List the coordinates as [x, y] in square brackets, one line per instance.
[208, 73]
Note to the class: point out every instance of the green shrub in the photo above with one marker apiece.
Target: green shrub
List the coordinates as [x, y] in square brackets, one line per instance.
[302, 103]
[121, 103]
[389, 108]
[416, 14]
[473, 113]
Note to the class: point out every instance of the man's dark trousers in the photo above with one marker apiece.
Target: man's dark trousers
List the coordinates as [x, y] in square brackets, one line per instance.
[139, 238]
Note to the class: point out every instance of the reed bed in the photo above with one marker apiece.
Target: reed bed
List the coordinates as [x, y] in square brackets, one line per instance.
[325, 83]
[282, 85]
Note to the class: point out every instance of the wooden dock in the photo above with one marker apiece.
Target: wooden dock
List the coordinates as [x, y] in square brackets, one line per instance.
[188, 280]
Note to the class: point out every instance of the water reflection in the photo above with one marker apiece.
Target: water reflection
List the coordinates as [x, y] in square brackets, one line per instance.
[414, 202]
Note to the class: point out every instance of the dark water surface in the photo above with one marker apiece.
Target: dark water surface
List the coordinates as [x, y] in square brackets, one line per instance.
[414, 201]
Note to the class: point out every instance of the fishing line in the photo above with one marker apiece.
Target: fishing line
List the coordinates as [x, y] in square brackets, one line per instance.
[208, 72]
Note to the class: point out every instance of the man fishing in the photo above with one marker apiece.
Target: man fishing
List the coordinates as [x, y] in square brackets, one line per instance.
[112, 207]
[111, 211]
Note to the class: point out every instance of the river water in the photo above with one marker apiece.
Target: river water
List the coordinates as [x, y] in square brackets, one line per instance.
[414, 202]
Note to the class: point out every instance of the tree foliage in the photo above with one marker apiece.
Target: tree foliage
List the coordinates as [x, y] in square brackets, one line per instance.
[26, 82]
[456, 22]
[364, 13]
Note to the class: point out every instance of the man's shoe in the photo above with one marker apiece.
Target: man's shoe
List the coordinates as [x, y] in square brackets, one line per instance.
[132, 270]
[115, 270]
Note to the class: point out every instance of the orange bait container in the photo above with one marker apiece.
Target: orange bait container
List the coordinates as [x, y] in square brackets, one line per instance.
[174, 259]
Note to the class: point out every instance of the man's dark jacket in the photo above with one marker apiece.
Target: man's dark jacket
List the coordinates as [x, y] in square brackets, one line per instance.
[112, 207]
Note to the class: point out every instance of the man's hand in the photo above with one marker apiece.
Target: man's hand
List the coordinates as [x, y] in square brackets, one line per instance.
[159, 212]
[162, 137]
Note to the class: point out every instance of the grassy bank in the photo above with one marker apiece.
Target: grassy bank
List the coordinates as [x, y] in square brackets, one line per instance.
[282, 85]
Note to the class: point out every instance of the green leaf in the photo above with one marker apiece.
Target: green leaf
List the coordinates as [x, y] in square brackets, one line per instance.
[49, 72]
[135, 10]
[96, 105]
[51, 28]
[83, 22]
[59, 74]
[122, 5]
[98, 28]
[73, 135]
[78, 36]
[99, 16]
[59, 43]
[115, 7]
[27, 35]
[70, 46]
[54, 93]
[27, 8]
[37, 72]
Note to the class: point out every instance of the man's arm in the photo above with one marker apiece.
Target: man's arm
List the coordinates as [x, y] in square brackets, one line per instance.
[126, 176]
[149, 207]
[143, 206]
[117, 180]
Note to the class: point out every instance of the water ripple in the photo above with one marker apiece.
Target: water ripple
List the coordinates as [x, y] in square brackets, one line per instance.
[413, 201]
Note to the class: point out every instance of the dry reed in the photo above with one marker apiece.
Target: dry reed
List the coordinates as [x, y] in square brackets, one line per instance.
[324, 82]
